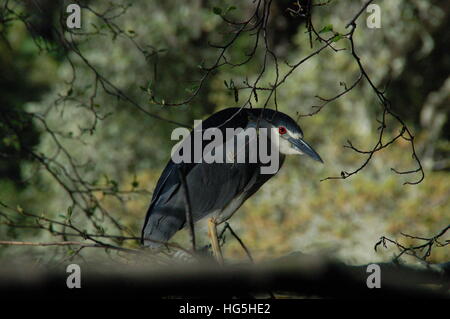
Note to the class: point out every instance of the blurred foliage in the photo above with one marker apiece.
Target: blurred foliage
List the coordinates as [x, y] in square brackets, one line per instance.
[165, 42]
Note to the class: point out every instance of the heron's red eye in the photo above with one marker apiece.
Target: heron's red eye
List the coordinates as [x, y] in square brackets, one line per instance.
[282, 130]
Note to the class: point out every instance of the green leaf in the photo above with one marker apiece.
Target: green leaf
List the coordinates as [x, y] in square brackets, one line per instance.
[193, 88]
[217, 10]
[336, 37]
[327, 28]
[69, 211]
[231, 8]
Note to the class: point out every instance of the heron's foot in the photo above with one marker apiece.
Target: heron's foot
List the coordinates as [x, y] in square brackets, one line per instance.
[212, 232]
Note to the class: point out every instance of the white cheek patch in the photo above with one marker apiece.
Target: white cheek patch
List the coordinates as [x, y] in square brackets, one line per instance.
[287, 148]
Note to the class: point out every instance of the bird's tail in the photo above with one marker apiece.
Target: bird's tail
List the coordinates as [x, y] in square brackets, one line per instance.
[159, 228]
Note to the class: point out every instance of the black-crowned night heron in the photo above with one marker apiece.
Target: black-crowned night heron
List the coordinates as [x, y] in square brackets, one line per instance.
[217, 189]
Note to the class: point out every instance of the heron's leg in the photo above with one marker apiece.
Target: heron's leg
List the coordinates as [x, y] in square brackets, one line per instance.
[212, 232]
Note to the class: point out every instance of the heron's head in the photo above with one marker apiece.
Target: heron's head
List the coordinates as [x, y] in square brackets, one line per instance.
[290, 135]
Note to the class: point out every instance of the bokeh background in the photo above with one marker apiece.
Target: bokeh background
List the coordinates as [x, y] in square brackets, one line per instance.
[163, 44]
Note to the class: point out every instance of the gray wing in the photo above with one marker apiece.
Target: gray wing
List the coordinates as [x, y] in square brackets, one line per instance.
[211, 188]
[166, 212]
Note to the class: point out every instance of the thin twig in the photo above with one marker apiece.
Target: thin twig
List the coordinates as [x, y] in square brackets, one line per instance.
[247, 251]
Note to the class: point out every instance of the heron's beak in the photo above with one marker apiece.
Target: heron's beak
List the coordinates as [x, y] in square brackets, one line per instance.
[303, 147]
